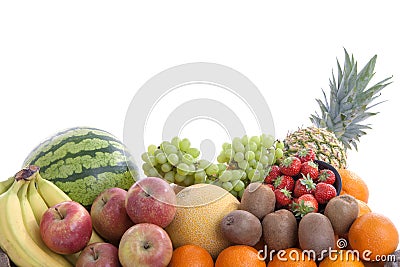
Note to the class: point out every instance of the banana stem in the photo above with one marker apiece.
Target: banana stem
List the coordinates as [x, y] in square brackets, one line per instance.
[28, 173]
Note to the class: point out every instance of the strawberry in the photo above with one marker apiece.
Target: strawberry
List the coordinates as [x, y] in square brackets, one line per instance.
[284, 181]
[303, 186]
[273, 172]
[326, 176]
[283, 197]
[290, 166]
[324, 192]
[305, 155]
[305, 204]
[271, 186]
[311, 168]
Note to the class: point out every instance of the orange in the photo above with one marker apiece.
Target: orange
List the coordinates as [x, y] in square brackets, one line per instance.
[239, 256]
[191, 256]
[363, 208]
[374, 233]
[353, 185]
[343, 258]
[291, 257]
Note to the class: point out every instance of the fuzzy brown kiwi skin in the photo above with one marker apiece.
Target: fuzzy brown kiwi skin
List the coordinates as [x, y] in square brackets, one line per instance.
[316, 234]
[241, 227]
[342, 212]
[395, 263]
[258, 199]
[280, 230]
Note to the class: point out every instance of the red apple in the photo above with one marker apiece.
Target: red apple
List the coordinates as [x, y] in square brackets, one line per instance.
[151, 200]
[66, 227]
[109, 215]
[98, 254]
[145, 244]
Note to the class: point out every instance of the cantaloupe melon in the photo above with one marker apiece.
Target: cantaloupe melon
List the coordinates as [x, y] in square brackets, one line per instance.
[200, 210]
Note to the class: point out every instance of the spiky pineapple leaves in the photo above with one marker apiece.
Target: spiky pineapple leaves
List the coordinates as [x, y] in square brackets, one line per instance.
[349, 102]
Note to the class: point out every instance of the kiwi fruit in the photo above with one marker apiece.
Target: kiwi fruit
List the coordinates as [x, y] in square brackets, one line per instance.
[316, 234]
[395, 261]
[241, 227]
[342, 211]
[280, 230]
[258, 199]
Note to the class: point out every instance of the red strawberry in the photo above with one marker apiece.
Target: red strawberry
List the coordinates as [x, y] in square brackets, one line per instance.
[273, 172]
[305, 155]
[305, 204]
[283, 197]
[311, 168]
[303, 186]
[284, 181]
[324, 192]
[271, 186]
[326, 176]
[290, 166]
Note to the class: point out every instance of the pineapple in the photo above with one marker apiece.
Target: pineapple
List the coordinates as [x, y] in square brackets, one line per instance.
[339, 127]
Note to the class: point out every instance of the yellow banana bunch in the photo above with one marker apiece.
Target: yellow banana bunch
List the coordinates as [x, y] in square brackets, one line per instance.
[23, 200]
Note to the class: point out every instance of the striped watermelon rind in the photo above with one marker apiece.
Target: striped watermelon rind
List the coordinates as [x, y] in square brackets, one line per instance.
[83, 162]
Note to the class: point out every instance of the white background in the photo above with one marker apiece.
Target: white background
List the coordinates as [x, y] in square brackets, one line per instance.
[75, 63]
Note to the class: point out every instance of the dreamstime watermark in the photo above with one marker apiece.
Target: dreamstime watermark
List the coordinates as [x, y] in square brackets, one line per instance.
[333, 254]
[167, 82]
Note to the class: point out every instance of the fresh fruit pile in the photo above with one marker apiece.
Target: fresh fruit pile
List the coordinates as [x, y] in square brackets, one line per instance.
[262, 197]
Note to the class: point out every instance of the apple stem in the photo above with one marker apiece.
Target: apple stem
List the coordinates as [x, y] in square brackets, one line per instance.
[95, 256]
[146, 245]
[59, 213]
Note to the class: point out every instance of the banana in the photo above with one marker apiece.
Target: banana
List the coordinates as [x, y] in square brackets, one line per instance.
[14, 236]
[33, 227]
[4, 185]
[37, 203]
[50, 193]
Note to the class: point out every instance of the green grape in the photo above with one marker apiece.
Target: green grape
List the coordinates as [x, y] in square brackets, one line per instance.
[225, 176]
[153, 172]
[179, 178]
[170, 176]
[253, 163]
[152, 160]
[187, 158]
[164, 144]
[244, 176]
[170, 149]
[237, 145]
[279, 144]
[221, 167]
[278, 153]
[146, 166]
[173, 159]
[184, 145]
[237, 174]
[240, 194]
[194, 152]
[189, 180]
[200, 177]
[239, 156]
[245, 140]
[264, 160]
[227, 186]
[259, 166]
[145, 157]
[256, 140]
[257, 155]
[203, 164]
[175, 141]
[182, 168]
[158, 151]
[251, 146]
[166, 167]
[243, 164]
[271, 159]
[161, 158]
[226, 146]
[191, 168]
[267, 140]
[221, 158]
[239, 186]
[151, 149]
[212, 170]
[249, 155]
[228, 153]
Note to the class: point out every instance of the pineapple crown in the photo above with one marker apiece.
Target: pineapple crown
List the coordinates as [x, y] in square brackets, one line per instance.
[350, 101]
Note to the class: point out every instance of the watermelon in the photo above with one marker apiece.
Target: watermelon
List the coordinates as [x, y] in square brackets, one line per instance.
[83, 162]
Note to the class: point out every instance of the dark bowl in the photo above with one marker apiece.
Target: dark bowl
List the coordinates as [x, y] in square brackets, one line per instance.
[322, 165]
